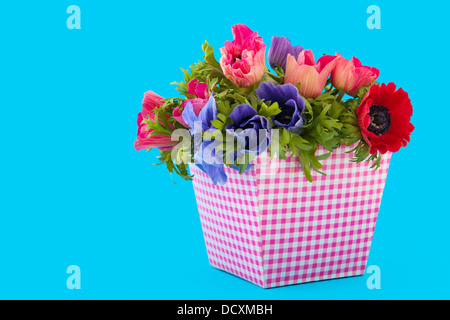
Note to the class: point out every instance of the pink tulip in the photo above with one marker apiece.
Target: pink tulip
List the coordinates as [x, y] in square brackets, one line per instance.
[311, 77]
[177, 116]
[144, 141]
[151, 101]
[198, 105]
[243, 59]
[198, 89]
[350, 76]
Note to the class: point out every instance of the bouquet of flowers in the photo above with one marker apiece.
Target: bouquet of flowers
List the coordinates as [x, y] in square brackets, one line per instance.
[234, 109]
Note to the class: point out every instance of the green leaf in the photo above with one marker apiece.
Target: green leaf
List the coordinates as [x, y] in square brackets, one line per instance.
[209, 55]
[268, 111]
[223, 107]
[285, 137]
[222, 117]
[324, 156]
[301, 143]
[241, 98]
[305, 165]
[218, 124]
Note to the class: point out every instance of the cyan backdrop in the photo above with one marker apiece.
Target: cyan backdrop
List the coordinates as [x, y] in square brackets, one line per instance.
[75, 192]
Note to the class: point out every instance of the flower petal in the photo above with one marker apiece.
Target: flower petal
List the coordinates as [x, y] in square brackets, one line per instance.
[208, 113]
[241, 113]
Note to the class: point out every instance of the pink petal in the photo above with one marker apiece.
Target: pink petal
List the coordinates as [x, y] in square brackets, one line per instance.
[240, 33]
[177, 115]
[306, 57]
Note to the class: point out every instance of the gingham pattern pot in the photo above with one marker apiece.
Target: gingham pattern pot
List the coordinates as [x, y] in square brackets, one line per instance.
[273, 228]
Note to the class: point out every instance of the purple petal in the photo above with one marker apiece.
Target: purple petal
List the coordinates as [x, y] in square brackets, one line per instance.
[289, 101]
[297, 51]
[188, 115]
[208, 113]
[297, 127]
[268, 92]
[279, 50]
[281, 93]
[241, 113]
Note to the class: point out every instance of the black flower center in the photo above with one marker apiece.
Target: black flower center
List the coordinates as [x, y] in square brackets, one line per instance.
[249, 125]
[238, 57]
[380, 120]
[285, 116]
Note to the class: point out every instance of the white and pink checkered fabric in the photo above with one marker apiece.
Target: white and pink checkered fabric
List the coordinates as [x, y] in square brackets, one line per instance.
[279, 229]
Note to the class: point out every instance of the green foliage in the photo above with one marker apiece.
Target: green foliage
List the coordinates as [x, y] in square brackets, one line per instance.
[209, 56]
[180, 168]
[361, 152]
[268, 111]
[327, 122]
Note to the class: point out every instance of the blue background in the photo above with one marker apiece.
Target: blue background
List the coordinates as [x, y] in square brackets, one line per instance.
[74, 190]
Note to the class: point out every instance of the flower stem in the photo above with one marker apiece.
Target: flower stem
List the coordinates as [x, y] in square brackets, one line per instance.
[340, 96]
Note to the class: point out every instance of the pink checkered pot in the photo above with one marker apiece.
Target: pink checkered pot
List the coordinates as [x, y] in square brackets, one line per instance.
[274, 228]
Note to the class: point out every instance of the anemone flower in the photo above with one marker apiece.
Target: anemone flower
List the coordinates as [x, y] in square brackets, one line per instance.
[289, 102]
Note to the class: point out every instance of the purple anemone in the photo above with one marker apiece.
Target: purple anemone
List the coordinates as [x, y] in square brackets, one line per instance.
[289, 102]
[279, 49]
[251, 130]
